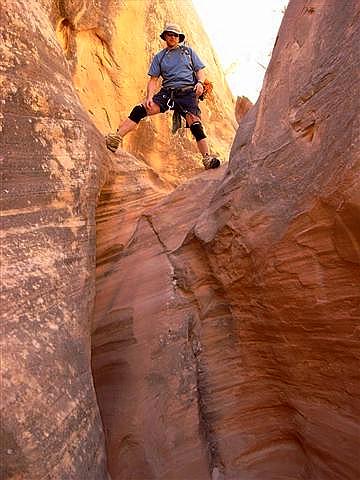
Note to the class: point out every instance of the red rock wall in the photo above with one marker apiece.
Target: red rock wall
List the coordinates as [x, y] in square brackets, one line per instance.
[143, 352]
[225, 332]
[229, 345]
[109, 45]
[52, 169]
[54, 166]
[242, 106]
[283, 236]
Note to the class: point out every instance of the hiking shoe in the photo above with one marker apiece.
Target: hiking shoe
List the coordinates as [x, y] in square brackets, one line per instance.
[113, 141]
[210, 162]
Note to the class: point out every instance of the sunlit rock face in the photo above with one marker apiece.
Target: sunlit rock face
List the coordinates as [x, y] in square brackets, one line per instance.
[224, 332]
[242, 106]
[110, 46]
[226, 339]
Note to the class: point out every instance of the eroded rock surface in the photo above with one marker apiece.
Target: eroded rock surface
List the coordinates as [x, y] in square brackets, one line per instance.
[225, 332]
[54, 166]
[52, 169]
[110, 46]
[144, 347]
[232, 335]
[242, 106]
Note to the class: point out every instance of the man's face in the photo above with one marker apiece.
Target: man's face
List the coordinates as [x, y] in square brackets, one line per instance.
[172, 39]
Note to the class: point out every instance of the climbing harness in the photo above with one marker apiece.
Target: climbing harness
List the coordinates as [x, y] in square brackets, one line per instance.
[175, 91]
[208, 86]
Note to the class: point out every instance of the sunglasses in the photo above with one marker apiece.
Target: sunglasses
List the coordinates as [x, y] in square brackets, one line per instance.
[171, 34]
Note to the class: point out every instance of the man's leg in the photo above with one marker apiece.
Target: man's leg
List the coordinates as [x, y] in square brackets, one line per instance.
[197, 130]
[114, 140]
[126, 127]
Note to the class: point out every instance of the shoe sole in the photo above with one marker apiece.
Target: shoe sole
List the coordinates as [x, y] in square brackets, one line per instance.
[112, 142]
[112, 149]
[213, 163]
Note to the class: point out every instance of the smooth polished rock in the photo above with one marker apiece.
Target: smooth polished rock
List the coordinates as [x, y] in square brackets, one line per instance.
[234, 321]
[55, 172]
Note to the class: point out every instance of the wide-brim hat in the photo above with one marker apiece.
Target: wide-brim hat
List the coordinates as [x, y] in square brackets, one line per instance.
[172, 27]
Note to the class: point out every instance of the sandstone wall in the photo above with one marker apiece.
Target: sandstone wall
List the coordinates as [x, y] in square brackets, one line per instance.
[56, 58]
[110, 47]
[229, 345]
[224, 335]
[283, 236]
[52, 169]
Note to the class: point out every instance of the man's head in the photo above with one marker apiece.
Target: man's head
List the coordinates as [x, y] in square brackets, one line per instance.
[172, 35]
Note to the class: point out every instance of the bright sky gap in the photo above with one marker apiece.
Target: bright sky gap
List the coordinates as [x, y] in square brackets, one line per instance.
[243, 34]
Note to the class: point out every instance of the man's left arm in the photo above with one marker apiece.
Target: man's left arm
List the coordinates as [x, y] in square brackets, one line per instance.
[199, 69]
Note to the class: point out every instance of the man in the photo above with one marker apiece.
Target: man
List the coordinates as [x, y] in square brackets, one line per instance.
[183, 75]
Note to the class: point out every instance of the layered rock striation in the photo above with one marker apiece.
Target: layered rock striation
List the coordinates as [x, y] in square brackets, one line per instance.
[53, 166]
[221, 325]
[54, 110]
[231, 336]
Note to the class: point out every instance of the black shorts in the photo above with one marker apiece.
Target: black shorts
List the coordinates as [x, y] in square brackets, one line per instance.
[185, 102]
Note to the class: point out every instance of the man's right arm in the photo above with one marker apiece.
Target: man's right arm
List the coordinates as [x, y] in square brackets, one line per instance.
[150, 90]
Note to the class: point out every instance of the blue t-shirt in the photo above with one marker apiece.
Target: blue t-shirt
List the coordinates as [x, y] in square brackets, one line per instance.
[177, 66]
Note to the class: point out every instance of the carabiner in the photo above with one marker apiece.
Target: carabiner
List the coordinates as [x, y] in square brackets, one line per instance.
[169, 104]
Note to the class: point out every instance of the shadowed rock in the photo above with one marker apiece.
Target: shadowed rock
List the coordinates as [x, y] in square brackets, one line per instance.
[224, 333]
[241, 289]
[54, 166]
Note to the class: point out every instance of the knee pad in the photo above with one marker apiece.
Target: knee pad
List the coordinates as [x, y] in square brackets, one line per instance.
[197, 130]
[137, 113]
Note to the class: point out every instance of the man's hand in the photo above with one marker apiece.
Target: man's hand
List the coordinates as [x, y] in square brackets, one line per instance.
[149, 103]
[199, 89]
